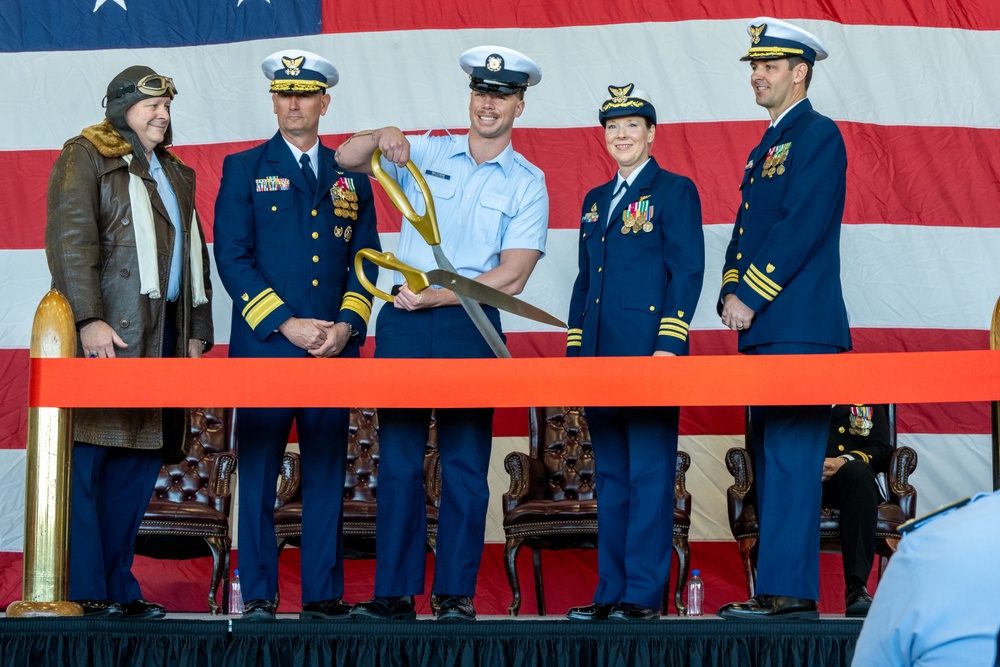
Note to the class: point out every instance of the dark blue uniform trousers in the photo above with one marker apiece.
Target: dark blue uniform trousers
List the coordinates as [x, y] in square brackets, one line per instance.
[111, 490]
[465, 438]
[789, 445]
[263, 436]
[635, 452]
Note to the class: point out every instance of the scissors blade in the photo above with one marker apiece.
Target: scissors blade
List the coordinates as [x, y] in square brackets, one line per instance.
[491, 296]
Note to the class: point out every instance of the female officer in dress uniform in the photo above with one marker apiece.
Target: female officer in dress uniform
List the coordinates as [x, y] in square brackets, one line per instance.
[642, 257]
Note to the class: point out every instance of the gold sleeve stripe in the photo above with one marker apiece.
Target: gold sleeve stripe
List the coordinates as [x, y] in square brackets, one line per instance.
[675, 321]
[864, 457]
[358, 305]
[731, 276]
[574, 331]
[577, 338]
[576, 343]
[675, 335]
[664, 328]
[253, 301]
[264, 307]
[764, 280]
[748, 279]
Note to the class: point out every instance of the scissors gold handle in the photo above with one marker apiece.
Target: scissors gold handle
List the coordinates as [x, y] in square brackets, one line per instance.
[416, 280]
[426, 224]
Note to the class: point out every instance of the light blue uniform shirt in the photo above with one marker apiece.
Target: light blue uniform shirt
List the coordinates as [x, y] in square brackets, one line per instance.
[169, 199]
[481, 210]
[939, 601]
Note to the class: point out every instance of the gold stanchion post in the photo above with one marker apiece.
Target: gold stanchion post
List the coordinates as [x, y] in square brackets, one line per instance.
[48, 486]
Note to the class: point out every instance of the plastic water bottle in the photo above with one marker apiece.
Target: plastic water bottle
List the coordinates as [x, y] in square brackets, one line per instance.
[695, 594]
[235, 595]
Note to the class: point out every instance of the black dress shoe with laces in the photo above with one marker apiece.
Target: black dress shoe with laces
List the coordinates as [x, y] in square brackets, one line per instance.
[857, 601]
[764, 607]
[456, 608]
[143, 610]
[381, 608]
[100, 608]
[627, 611]
[334, 609]
[592, 612]
[258, 610]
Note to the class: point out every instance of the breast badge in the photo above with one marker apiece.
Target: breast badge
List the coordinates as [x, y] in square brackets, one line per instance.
[774, 161]
[638, 216]
[345, 198]
[592, 216]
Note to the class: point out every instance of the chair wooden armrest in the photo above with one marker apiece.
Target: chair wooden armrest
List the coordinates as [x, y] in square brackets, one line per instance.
[738, 464]
[222, 472]
[901, 466]
[527, 479]
[289, 478]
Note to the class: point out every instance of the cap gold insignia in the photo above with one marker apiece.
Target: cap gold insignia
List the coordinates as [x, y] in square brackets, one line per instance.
[756, 31]
[292, 65]
[621, 93]
[245, 297]
[769, 268]
[494, 63]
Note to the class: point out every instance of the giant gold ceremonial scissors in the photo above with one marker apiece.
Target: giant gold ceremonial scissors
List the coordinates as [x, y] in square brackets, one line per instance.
[426, 225]
[418, 281]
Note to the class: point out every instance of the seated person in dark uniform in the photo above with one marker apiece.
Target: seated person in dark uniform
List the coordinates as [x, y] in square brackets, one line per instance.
[858, 449]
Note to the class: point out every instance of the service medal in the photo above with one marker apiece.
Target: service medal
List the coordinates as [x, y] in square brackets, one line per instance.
[861, 420]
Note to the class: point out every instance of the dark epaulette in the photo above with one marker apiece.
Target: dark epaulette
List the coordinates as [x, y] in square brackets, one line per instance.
[913, 524]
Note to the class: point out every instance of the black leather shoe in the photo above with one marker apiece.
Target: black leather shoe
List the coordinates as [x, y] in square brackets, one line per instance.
[334, 609]
[100, 608]
[857, 600]
[258, 610]
[143, 610]
[765, 607]
[626, 611]
[385, 609]
[592, 612]
[456, 608]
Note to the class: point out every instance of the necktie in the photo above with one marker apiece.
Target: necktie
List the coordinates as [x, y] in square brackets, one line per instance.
[307, 171]
[621, 190]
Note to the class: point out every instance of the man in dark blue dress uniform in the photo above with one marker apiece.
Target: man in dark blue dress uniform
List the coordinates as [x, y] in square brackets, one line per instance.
[781, 291]
[288, 222]
[642, 260]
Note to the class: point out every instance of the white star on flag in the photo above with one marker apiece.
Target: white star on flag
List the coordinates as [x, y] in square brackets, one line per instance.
[120, 3]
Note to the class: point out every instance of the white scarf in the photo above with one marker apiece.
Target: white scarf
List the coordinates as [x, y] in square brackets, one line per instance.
[145, 243]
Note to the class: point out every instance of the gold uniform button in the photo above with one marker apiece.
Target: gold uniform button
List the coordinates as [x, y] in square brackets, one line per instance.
[315, 258]
[600, 268]
[840, 448]
[274, 208]
[597, 300]
[315, 235]
[841, 429]
[741, 230]
[751, 180]
[315, 283]
[746, 206]
[739, 255]
[314, 213]
[602, 239]
[652, 308]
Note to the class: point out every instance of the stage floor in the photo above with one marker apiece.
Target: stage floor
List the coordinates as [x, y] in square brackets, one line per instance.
[492, 641]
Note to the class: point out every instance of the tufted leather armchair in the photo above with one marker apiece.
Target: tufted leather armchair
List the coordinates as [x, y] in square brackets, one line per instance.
[191, 501]
[552, 503]
[360, 489]
[900, 507]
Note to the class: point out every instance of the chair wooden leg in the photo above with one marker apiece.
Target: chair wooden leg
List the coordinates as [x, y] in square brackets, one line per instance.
[220, 572]
[539, 586]
[746, 547]
[510, 552]
[683, 550]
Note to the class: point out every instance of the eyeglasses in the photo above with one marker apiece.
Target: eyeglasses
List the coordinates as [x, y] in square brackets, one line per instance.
[154, 85]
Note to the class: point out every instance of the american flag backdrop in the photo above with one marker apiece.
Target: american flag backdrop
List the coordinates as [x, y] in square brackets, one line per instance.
[913, 84]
